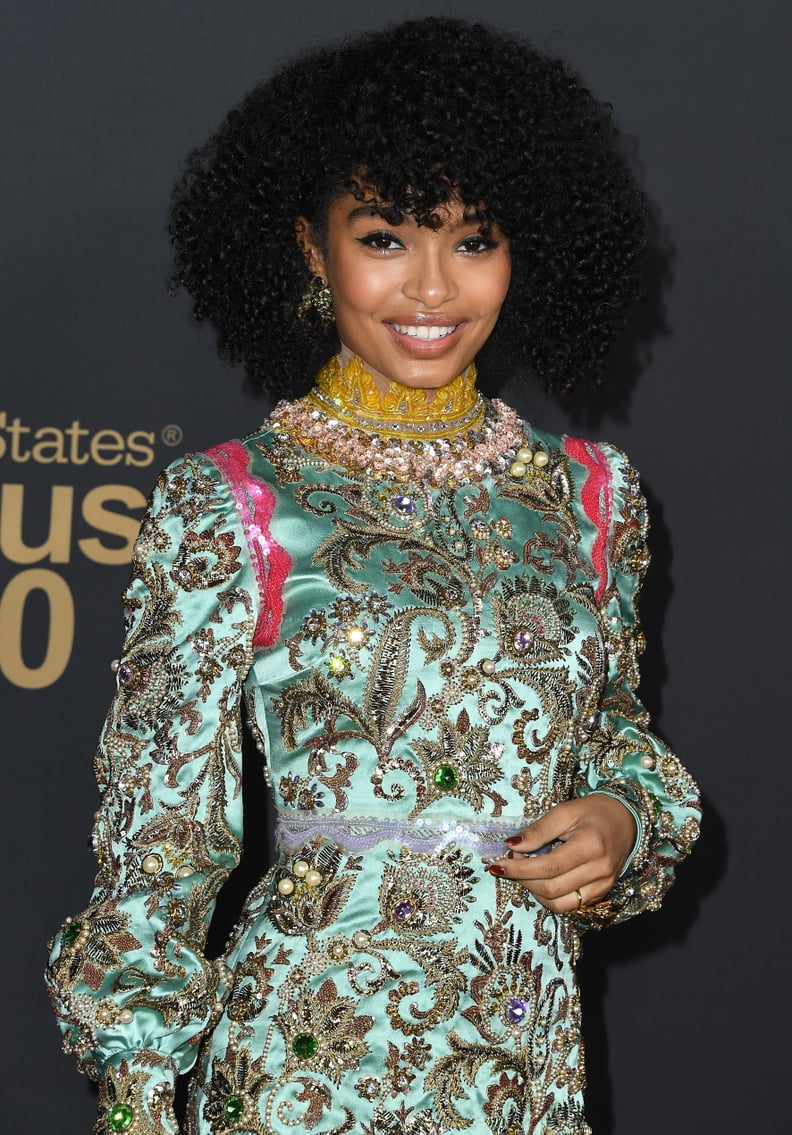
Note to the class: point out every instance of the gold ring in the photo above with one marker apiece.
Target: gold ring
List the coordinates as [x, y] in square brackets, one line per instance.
[580, 899]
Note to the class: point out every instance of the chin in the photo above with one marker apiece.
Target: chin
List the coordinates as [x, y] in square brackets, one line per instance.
[428, 377]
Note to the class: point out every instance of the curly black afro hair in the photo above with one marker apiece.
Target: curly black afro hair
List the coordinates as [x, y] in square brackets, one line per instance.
[420, 112]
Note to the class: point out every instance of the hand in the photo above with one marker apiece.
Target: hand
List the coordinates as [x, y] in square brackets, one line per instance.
[597, 834]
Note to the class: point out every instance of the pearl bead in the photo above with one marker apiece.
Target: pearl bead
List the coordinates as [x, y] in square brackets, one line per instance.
[517, 468]
[286, 886]
[487, 666]
[540, 459]
[361, 938]
[301, 868]
[151, 865]
[313, 878]
[338, 951]
[126, 1016]
[525, 454]
[184, 872]
[648, 761]
[115, 664]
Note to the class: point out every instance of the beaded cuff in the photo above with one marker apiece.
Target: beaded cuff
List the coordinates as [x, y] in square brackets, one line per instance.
[639, 803]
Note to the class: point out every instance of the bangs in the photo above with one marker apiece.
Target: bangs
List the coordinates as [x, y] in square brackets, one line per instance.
[426, 201]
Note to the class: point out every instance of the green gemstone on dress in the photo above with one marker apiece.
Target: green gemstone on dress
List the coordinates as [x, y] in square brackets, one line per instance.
[119, 1117]
[234, 1106]
[304, 1046]
[446, 777]
[71, 933]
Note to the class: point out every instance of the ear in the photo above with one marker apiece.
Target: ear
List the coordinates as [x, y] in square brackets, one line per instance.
[310, 249]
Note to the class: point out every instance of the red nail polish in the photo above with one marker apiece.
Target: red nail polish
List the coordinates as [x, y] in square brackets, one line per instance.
[513, 840]
[496, 869]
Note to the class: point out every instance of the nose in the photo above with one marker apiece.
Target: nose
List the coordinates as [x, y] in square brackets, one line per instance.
[430, 278]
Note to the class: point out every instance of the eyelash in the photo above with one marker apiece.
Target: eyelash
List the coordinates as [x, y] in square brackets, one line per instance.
[486, 243]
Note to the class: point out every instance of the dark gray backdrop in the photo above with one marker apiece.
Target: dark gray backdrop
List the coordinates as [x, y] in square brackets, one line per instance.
[686, 1009]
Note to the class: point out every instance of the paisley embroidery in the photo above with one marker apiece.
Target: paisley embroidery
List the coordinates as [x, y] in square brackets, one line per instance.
[432, 668]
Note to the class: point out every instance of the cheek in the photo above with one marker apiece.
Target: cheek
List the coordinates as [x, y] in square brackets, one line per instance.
[486, 290]
[497, 287]
[360, 285]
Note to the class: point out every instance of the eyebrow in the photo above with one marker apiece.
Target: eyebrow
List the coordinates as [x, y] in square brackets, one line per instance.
[366, 211]
[380, 211]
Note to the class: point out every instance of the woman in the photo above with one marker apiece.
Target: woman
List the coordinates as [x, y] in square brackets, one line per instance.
[429, 605]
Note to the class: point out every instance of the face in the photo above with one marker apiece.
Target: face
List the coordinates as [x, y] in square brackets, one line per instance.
[416, 304]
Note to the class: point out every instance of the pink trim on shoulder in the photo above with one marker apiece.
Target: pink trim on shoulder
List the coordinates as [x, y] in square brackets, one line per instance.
[255, 503]
[596, 497]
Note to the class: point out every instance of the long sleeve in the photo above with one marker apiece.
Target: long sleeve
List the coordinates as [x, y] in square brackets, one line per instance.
[616, 753]
[130, 984]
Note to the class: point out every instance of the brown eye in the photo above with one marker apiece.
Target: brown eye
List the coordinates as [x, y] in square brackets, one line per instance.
[381, 241]
[477, 244]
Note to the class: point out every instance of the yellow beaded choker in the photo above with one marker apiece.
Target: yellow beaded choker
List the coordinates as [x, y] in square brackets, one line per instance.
[348, 392]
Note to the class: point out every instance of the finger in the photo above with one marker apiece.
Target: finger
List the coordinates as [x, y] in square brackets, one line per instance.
[553, 890]
[557, 862]
[558, 890]
[582, 848]
[567, 902]
[552, 887]
[544, 831]
[580, 899]
[571, 904]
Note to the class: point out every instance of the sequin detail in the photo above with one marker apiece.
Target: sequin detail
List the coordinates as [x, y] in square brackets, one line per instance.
[360, 833]
[596, 498]
[255, 502]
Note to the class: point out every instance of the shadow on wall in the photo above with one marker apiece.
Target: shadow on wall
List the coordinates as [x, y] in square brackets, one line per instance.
[648, 934]
[701, 874]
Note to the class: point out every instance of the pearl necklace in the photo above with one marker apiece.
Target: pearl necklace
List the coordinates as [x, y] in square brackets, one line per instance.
[482, 439]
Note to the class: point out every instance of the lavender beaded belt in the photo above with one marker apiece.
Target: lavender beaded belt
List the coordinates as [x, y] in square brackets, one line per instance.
[359, 833]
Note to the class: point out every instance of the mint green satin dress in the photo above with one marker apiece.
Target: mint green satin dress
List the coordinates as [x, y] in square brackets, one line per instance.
[426, 670]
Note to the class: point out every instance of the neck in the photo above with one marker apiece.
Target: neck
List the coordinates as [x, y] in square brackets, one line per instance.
[372, 402]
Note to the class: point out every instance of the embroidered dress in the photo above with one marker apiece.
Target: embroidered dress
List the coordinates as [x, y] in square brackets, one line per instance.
[435, 645]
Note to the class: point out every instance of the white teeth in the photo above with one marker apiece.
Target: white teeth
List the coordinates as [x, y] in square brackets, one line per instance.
[424, 332]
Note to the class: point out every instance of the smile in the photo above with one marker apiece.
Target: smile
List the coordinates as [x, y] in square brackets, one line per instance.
[424, 332]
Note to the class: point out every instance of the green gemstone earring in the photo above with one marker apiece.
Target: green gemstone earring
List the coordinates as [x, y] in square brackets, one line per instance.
[320, 298]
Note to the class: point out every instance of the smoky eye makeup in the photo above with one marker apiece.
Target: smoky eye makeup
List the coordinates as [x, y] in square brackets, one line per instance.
[380, 241]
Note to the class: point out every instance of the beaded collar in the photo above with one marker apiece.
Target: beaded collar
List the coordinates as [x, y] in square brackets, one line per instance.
[347, 392]
[346, 421]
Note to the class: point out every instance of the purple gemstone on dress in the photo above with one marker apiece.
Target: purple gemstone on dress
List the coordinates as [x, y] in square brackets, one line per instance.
[124, 674]
[404, 504]
[516, 1011]
[523, 641]
[402, 910]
